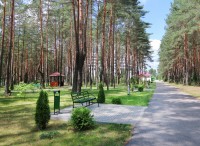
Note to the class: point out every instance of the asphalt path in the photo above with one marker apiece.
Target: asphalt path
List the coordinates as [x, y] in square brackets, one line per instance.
[171, 119]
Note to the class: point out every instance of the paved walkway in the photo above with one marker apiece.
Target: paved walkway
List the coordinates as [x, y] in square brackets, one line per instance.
[108, 113]
[172, 119]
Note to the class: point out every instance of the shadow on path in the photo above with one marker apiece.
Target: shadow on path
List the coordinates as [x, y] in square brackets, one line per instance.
[172, 119]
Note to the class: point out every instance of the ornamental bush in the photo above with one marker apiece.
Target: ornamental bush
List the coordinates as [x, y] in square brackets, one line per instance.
[42, 115]
[116, 100]
[22, 88]
[140, 88]
[101, 94]
[82, 119]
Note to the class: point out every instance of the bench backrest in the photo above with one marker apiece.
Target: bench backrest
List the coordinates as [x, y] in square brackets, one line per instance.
[79, 95]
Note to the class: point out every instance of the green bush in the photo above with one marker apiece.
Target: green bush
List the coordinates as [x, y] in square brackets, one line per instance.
[42, 115]
[140, 88]
[101, 94]
[116, 100]
[82, 119]
[23, 87]
[49, 135]
[123, 80]
[136, 86]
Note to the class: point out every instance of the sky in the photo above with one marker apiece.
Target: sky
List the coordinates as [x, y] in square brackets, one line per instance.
[157, 14]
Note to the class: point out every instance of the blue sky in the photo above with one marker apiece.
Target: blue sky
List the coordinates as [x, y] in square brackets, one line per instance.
[158, 11]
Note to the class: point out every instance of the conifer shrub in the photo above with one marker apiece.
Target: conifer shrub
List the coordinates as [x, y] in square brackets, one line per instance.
[101, 94]
[140, 88]
[42, 115]
[116, 100]
[82, 119]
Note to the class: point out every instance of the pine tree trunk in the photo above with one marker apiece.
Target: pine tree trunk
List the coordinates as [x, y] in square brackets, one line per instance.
[97, 50]
[8, 66]
[55, 49]
[113, 56]
[128, 53]
[13, 56]
[76, 30]
[102, 73]
[2, 42]
[70, 62]
[186, 58]
[47, 46]
[111, 45]
[91, 47]
[18, 62]
[118, 52]
[41, 65]
[126, 59]
[22, 56]
[81, 45]
[61, 82]
[80, 23]
[26, 66]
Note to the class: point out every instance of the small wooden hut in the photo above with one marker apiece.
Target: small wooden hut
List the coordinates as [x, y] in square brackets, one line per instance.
[55, 79]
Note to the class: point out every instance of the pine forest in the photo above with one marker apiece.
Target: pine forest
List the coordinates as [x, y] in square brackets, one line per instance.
[180, 46]
[92, 41]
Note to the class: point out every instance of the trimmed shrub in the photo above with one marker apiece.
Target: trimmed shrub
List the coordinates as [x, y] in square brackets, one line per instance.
[116, 100]
[101, 94]
[140, 88]
[42, 115]
[82, 119]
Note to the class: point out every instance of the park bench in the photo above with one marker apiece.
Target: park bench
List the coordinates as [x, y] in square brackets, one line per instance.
[83, 97]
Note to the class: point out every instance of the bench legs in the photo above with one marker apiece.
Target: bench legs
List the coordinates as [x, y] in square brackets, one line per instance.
[88, 103]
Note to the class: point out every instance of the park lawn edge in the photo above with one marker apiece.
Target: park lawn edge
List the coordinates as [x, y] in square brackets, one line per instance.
[18, 126]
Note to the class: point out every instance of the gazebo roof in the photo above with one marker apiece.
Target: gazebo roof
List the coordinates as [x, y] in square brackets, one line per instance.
[55, 74]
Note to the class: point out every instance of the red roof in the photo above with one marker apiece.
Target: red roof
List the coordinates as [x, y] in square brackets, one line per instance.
[146, 74]
[55, 74]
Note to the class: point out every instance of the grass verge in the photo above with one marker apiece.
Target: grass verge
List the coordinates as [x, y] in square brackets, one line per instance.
[135, 98]
[191, 90]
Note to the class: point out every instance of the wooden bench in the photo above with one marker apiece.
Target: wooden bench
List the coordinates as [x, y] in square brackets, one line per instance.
[83, 97]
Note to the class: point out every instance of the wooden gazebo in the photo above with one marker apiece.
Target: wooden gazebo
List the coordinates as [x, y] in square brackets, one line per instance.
[55, 81]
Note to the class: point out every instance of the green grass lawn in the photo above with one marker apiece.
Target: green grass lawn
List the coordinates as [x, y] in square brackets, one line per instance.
[135, 98]
[17, 123]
